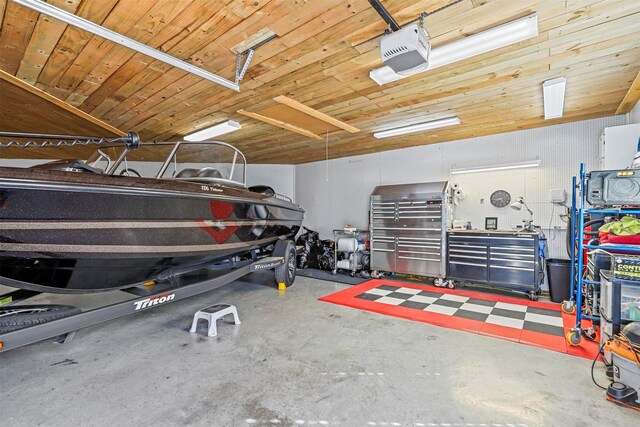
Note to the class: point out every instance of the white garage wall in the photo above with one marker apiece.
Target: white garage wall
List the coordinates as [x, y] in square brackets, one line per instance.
[279, 177]
[19, 163]
[634, 115]
[337, 192]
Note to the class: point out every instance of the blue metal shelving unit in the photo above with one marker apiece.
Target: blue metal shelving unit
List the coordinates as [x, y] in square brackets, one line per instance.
[579, 210]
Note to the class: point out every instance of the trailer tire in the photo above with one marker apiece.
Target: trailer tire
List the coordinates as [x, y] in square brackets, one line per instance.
[285, 273]
[17, 317]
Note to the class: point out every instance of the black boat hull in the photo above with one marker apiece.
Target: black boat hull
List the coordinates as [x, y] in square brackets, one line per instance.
[68, 232]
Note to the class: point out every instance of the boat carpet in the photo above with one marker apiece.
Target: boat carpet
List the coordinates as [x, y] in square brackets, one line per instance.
[339, 277]
[540, 324]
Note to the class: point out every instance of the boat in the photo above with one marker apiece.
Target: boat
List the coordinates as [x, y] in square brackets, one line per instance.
[95, 225]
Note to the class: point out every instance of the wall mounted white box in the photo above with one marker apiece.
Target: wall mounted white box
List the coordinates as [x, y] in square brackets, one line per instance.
[618, 145]
[558, 195]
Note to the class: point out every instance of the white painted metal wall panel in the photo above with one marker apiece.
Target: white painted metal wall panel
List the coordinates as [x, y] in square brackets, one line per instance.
[618, 145]
[342, 196]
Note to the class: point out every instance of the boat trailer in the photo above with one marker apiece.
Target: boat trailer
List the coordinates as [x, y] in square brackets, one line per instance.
[145, 298]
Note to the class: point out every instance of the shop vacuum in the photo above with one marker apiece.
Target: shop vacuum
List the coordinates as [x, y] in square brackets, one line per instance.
[624, 349]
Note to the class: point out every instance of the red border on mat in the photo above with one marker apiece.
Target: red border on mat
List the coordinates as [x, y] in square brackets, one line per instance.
[347, 298]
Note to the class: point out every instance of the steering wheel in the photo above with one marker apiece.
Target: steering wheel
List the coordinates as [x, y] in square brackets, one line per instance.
[130, 172]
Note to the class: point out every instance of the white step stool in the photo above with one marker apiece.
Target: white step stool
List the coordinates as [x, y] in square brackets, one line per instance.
[212, 314]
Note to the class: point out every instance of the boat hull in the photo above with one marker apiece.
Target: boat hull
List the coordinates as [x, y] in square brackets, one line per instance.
[71, 232]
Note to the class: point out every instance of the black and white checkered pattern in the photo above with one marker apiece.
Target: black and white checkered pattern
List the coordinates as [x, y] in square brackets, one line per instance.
[498, 313]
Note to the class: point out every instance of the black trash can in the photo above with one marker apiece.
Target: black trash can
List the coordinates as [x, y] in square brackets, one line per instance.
[559, 279]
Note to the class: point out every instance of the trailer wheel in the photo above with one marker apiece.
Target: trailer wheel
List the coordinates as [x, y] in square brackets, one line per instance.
[285, 273]
[17, 317]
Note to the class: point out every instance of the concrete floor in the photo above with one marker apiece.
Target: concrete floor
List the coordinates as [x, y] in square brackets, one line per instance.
[293, 361]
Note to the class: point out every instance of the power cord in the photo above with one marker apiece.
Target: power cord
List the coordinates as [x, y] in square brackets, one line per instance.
[552, 231]
[634, 348]
[595, 359]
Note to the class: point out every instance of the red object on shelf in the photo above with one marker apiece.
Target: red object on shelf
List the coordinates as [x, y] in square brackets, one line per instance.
[625, 240]
[585, 242]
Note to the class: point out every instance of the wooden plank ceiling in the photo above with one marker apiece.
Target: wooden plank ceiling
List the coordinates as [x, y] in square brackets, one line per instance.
[321, 57]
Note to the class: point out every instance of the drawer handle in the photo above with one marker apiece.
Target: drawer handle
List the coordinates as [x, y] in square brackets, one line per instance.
[419, 238]
[420, 253]
[467, 256]
[512, 260]
[455, 251]
[408, 228]
[514, 248]
[515, 256]
[495, 251]
[467, 263]
[382, 250]
[524, 239]
[452, 245]
[513, 268]
[419, 259]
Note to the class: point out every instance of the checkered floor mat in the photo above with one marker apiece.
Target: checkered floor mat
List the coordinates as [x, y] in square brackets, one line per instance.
[495, 312]
[535, 323]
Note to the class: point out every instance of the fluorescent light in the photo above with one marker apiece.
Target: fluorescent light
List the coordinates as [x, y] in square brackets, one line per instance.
[515, 165]
[213, 131]
[485, 41]
[554, 97]
[76, 21]
[418, 127]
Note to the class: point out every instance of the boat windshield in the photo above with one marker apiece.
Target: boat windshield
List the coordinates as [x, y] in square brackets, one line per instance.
[203, 161]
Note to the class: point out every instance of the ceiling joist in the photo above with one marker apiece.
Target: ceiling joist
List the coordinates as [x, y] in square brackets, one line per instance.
[280, 124]
[314, 113]
[631, 98]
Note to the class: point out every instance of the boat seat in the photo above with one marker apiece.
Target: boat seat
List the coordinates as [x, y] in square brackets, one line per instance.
[209, 173]
[199, 173]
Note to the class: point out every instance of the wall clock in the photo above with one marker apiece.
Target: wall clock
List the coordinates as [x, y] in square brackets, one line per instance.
[500, 198]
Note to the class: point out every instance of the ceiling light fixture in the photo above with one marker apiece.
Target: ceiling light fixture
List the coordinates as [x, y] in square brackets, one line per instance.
[553, 91]
[482, 42]
[450, 121]
[515, 165]
[83, 24]
[213, 131]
